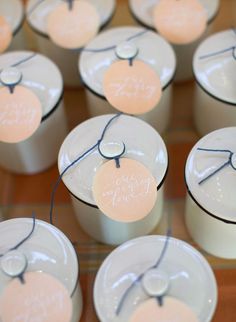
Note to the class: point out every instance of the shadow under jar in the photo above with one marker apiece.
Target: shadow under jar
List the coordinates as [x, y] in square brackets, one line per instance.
[142, 11]
[143, 144]
[47, 250]
[13, 12]
[214, 69]
[210, 175]
[151, 49]
[127, 279]
[39, 151]
[66, 59]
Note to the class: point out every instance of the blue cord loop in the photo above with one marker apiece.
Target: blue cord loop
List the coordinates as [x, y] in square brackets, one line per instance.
[229, 162]
[21, 276]
[79, 158]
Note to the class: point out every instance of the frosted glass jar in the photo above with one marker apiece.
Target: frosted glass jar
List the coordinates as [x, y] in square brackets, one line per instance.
[152, 49]
[48, 250]
[210, 204]
[13, 12]
[64, 58]
[215, 95]
[186, 272]
[40, 150]
[142, 12]
[79, 179]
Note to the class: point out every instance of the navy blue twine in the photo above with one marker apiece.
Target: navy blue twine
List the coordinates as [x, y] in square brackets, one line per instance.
[96, 145]
[216, 53]
[229, 162]
[21, 276]
[155, 266]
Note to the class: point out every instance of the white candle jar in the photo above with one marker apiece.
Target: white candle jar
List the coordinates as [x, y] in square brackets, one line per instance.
[184, 274]
[215, 96]
[142, 143]
[152, 49]
[210, 202]
[66, 59]
[13, 12]
[142, 12]
[47, 250]
[40, 150]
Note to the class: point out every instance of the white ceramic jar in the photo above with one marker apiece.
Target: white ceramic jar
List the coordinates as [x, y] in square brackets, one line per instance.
[215, 95]
[47, 250]
[40, 150]
[13, 12]
[210, 204]
[66, 59]
[142, 12]
[184, 274]
[142, 143]
[152, 49]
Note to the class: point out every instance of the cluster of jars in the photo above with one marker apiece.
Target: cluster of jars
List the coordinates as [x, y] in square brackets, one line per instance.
[129, 148]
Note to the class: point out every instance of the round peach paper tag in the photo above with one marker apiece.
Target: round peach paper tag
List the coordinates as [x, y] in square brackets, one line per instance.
[5, 34]
[20, 114]
[124, 194]
[41, 298]
[172, 310]
[180, 21]
[132, 89]
[73, 28]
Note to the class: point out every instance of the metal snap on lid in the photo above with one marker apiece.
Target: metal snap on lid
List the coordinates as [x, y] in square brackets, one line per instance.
[214, 66]
[143, 10]
[47, 250]
[131, 131]
[148, 47]
[211, 174]
[10, 76]
[48, 89]
[126, 50]
[13, 263]
[184, 274]
[37, 17]
[13, 12]
[155, 282]
[111, 149]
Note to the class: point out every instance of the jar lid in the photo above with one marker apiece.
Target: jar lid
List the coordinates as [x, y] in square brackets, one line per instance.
[48, 250]
[152, 49]
[215, 74]
[214, 193]
[141, 141]
[13, 12]
[143, 10]
[191, 279]
[39, 74]
[38, 18]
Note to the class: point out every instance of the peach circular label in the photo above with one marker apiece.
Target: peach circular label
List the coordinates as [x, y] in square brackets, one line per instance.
[5, 34]
[73, 28]
[180, 21]
[132, 89]
[172, 310]
[124, 194]
[20, 114]
[41, 298]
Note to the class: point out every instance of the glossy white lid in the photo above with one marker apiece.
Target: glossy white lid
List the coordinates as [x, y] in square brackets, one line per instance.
[38, 18]
[143, 10]
[13, 12]
[47, 250]
[152, 49]
[40, 75]
[191, 278]
[142, 143]
[217, 195]
[216, 75]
